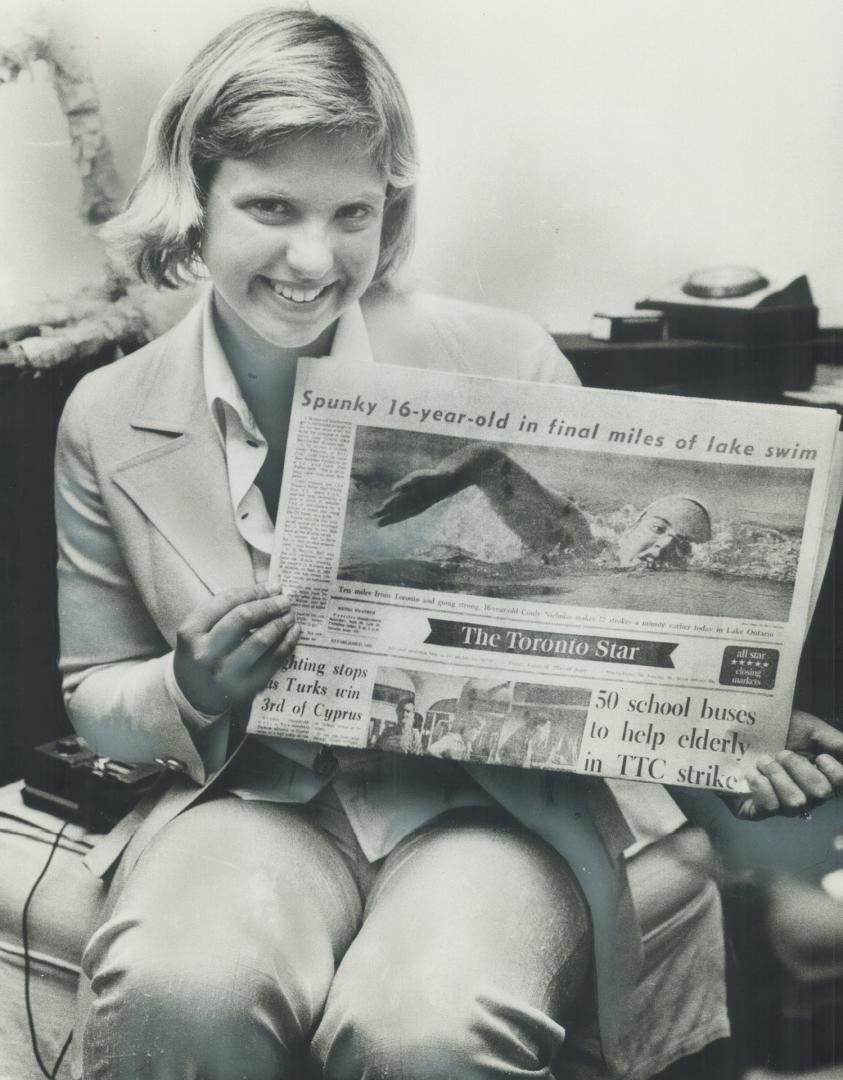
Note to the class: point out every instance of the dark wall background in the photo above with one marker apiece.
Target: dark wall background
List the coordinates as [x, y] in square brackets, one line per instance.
[31, 709]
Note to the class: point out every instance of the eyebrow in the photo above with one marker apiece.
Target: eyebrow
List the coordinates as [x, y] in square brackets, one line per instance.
[374, 195]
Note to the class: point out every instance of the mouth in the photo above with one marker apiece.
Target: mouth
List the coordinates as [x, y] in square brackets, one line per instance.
[297, 295]
[647, 559]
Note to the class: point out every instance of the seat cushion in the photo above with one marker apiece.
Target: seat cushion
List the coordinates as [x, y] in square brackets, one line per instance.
[60, 916]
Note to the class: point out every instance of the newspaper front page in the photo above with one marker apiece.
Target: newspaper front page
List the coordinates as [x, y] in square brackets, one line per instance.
[550, 577]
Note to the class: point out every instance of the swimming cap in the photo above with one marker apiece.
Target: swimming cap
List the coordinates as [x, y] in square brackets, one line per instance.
[688, 516]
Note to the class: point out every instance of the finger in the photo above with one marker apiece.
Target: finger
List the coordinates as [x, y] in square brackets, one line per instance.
[832, 769]
[206, 615]
[244, 683]
[805, 774]
[395, 509]
[764, 797]
[242, 622]
[789, 794]
[809, 733]
[385, 509]
[265, 639]
[263, 671]
[828, 739]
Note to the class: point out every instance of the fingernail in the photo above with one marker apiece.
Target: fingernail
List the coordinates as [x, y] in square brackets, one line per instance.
[764, 760]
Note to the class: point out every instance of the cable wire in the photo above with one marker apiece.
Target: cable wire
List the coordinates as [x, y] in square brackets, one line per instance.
[27, 966]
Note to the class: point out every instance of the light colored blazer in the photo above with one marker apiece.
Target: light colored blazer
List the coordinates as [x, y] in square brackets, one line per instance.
[144, 516]
[146, 531]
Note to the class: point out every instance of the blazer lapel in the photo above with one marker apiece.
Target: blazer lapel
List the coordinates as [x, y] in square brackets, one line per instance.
[179, 478]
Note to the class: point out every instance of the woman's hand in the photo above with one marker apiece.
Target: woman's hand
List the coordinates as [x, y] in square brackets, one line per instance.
[230, 646]
[805, 774]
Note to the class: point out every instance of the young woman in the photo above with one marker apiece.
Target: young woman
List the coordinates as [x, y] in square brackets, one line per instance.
[276, 908]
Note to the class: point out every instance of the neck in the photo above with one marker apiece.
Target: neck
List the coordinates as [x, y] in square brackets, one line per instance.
[252, 358]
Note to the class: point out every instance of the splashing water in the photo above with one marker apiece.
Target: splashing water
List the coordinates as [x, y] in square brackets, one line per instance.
[461, 546]
[468, 532]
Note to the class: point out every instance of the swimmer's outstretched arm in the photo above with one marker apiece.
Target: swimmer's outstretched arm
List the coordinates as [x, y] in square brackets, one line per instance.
[419, 490]
[542, 518]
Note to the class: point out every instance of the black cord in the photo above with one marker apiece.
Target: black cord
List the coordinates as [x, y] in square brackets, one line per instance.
[51, 1075]
[60, 1058]
[43, 840]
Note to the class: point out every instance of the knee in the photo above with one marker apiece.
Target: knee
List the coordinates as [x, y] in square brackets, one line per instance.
[410, 1034]
[166, 1014]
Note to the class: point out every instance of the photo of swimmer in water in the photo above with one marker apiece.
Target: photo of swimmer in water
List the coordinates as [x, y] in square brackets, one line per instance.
[546, 521]
[561, 525]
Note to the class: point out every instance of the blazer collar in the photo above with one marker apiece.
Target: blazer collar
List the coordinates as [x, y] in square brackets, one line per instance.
[178, 478]
[174, 399]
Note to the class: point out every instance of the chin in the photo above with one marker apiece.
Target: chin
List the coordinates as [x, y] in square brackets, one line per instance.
[293, 337]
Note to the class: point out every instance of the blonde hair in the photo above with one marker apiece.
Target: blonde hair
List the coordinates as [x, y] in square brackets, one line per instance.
[273, 73]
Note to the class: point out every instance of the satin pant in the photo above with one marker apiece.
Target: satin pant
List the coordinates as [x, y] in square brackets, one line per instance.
[253, 941]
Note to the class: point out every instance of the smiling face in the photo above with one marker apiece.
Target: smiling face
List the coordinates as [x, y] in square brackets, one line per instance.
[292, 238]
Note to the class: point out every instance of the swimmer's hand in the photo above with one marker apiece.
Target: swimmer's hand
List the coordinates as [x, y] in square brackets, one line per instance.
[417, 492]
[804, 775]
[230, 646]
[646, 562]
[649, 562]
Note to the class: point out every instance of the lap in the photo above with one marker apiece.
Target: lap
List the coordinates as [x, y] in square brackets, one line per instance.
[245, 867]
[471, 912]
[474, 888]
[221, 947]
[480, 938]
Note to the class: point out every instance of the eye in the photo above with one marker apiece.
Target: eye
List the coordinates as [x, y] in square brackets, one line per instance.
[356, 214]
[269, 209]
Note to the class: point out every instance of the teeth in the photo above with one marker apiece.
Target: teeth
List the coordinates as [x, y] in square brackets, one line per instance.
[298, 296]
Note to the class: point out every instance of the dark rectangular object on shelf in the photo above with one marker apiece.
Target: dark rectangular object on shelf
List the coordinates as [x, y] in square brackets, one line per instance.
[739, 326]
[628, 327]
[702, 368]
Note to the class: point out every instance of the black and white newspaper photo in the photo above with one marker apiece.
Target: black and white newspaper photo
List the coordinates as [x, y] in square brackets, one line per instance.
[420, 500]
[660, 565]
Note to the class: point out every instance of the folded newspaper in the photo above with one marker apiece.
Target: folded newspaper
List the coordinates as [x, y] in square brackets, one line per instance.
[547, 576]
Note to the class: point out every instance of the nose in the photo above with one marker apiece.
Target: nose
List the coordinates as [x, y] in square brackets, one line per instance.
[309, 254]
[662, 543]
